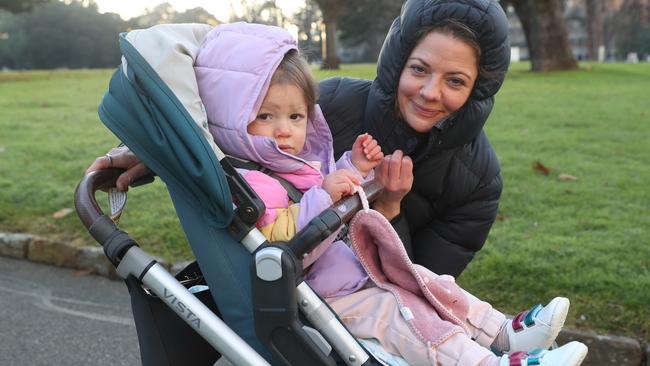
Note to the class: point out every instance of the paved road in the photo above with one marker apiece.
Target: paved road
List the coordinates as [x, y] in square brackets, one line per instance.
[54, 316]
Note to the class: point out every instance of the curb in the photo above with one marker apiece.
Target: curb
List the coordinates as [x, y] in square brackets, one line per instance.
[604, 350]
[90, 259]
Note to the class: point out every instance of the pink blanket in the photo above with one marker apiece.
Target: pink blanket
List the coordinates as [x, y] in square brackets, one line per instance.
[434, 306]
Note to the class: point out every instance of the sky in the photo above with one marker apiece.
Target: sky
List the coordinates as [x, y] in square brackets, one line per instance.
[219, 8]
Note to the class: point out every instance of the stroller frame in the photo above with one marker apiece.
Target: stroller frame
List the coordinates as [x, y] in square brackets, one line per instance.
[133, 263]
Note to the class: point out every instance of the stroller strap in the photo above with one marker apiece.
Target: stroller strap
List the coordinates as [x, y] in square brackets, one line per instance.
[294, 194]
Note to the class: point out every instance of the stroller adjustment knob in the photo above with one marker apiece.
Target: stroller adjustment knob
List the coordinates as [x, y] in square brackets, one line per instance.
[268, 264]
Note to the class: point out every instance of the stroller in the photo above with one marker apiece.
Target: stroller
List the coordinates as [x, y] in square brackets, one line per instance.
[257, 310]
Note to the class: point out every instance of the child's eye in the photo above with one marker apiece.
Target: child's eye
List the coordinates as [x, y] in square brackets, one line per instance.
[297, 116]
[264, 116]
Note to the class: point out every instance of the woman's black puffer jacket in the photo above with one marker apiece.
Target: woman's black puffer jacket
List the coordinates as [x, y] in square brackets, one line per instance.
[447, 215]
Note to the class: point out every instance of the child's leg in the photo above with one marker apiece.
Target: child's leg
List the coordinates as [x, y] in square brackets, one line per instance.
[373, 313]
[484, 322]
[535, 328]
[460, 349]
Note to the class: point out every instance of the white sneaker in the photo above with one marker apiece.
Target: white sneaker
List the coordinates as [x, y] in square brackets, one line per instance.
[571, 354]
[537, 327]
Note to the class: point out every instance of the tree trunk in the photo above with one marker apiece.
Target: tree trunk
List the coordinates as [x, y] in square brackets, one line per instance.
[595, 28]
[331, 10]
[23, 6]
[546, 34]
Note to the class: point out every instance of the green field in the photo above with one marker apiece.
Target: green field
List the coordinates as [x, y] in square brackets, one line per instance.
[588, 239]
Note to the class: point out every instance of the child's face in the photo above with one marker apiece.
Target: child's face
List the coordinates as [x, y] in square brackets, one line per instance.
[283, 117]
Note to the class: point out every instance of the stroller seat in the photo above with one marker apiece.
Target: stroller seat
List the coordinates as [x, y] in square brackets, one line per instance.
[153, 107]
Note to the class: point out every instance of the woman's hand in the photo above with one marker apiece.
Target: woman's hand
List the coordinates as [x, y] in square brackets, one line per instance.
[121, 157]
[395, 173]
[340, 183]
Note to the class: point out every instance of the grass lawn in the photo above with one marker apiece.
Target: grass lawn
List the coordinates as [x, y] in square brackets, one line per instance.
[587, 238]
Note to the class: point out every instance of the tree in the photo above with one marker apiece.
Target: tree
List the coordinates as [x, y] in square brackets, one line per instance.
[631, 28]
[331, 10]
[72, 34]
[595, 27]
[265, 12]
[195, 15]
[160, 14]
[307, 19]
[60, 34]
[13, 41]
[546, 34]
[165, 13]
[20, 6]
[366, 22]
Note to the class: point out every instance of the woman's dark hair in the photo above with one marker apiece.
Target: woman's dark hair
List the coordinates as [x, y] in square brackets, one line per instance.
[295, 70]
[460, 31]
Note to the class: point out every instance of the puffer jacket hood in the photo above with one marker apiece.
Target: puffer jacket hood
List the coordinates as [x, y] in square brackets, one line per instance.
[487, 19]
[233, 68]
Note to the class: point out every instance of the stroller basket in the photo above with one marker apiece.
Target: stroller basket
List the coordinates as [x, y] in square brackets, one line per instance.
[165, 338]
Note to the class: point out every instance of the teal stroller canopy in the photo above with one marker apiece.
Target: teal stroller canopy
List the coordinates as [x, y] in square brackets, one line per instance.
[142, 110]
[153, 106]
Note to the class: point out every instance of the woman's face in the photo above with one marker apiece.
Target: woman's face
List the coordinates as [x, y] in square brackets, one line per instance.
[436, 81]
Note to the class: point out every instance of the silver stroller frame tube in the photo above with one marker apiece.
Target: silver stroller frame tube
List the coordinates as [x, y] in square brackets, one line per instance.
[139, 264]
[325, 320]
[322, 318]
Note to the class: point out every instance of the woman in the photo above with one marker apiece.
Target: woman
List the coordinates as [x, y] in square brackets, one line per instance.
[430, 120]
[442, 180]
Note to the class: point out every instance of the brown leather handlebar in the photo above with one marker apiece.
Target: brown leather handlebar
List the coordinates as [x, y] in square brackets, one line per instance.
[84, 196]
[348, 206]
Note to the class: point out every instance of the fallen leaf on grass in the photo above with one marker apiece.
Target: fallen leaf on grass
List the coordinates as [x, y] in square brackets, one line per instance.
[62, 213]
[82, 273]
[566, 177]
[541, 168]
[501, 217]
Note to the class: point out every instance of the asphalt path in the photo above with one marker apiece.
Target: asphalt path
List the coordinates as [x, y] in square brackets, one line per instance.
[56, 316]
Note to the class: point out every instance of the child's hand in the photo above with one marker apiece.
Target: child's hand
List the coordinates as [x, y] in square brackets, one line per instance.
[340, 183]
[366, 154]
